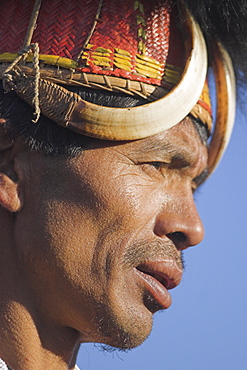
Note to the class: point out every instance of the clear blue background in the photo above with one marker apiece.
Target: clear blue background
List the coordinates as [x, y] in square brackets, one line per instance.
[206, 326]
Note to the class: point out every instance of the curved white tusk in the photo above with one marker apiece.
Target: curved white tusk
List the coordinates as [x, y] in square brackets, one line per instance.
[149, 119]
[226, 105]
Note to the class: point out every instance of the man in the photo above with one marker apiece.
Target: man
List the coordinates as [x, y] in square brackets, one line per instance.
[95, 214]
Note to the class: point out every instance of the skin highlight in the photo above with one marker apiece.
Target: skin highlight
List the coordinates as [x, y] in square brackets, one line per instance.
[79, 231]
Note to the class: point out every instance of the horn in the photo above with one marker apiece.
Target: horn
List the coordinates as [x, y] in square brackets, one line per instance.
[226, 104]
[149, 119]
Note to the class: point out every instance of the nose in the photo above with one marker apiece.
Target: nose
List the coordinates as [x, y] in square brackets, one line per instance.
[180, 222]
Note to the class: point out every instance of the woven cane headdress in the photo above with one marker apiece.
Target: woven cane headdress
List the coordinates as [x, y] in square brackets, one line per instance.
[151, 49]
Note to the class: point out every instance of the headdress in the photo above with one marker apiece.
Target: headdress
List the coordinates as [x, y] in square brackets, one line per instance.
[151, 49]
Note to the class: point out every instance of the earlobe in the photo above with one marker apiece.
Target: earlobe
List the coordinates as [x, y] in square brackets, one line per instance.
[10, 198]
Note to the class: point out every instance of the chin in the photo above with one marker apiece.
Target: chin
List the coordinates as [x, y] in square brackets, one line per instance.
[123, 329]
[124, 340]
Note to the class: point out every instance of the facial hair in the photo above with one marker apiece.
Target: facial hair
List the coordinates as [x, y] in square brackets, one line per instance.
[108, 324]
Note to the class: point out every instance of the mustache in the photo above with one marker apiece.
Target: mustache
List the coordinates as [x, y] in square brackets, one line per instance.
[143, 250]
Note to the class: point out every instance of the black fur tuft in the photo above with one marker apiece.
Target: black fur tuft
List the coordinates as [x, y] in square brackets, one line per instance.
[226, 19]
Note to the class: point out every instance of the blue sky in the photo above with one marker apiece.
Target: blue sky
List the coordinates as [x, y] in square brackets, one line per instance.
[206, 326]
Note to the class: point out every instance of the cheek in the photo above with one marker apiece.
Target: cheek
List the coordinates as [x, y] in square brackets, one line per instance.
[126, 191]
[138, 199]
[55, 236]
[126, 213]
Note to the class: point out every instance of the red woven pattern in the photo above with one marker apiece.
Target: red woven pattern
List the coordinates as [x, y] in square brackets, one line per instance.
[176, 54]
[64, 25]
[14, 19]
[117, 26]
[158, 30]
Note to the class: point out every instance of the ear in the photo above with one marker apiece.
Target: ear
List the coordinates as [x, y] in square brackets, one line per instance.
[10, 195]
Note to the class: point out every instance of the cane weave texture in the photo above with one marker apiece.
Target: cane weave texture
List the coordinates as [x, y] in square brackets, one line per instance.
[129, 39]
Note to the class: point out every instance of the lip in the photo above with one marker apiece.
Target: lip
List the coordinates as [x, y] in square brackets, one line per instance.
[157, 278]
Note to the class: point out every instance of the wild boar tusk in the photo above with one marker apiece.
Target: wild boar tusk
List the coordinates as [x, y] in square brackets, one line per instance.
[226, 105]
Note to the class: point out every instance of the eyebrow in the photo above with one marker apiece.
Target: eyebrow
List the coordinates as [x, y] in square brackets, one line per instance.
[157, 147]
[164, 149]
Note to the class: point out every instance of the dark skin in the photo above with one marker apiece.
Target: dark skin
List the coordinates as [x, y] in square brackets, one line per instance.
[83, 237]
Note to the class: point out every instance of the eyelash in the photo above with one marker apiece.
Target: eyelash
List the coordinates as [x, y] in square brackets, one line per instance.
[159, 165]
[155, 166]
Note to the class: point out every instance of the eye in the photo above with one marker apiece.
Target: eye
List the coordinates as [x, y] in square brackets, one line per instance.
[160, 166]
[155, 168]
[157, 165]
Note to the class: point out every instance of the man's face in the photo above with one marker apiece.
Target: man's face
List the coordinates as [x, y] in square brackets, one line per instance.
[100, 235]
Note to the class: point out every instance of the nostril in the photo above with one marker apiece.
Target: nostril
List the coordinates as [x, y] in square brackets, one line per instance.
[179, 239]
[182, 225]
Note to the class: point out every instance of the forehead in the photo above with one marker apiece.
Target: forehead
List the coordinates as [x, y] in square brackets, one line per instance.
[181, 140]
[180, 145]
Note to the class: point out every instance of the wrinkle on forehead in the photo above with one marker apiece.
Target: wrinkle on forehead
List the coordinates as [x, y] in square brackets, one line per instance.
[181, 142]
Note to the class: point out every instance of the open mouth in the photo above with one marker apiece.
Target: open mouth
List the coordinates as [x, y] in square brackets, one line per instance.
[156, 278]
[163, 278]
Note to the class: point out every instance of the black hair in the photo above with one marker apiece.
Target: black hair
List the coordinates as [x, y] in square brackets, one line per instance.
[46, 135]
[54, 140]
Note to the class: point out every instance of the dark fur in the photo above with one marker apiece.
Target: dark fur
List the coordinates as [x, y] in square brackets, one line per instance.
[227, 20]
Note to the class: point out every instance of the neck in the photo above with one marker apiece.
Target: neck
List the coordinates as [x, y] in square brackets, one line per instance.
[28, 341]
